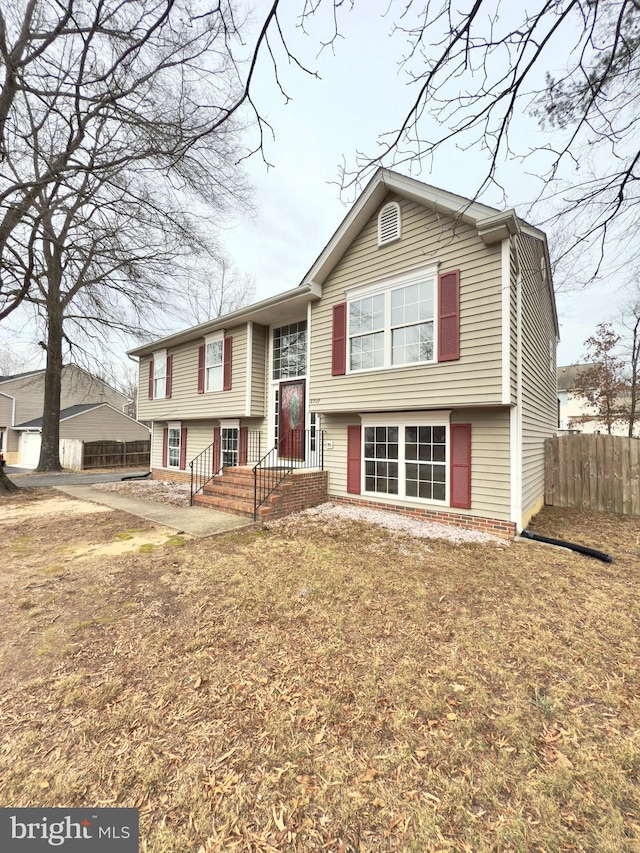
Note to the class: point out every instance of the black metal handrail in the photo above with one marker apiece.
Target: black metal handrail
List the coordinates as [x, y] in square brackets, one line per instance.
[299, 448]
[204, 467]
[212, 457]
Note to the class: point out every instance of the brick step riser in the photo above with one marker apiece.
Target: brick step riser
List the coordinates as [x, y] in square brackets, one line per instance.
[234, 507]
[230, 503]
[227, 489]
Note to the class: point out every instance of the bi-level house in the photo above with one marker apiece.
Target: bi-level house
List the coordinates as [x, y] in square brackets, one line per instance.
[413, 369]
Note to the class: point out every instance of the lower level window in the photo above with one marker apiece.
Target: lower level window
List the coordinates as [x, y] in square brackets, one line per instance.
[173, 448]
[407, 461]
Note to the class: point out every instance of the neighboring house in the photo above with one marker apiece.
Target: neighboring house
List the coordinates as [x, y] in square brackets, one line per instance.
[91, 410]
[418, 353]
[575, 413]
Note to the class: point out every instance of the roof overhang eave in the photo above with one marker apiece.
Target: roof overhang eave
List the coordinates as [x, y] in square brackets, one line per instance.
[265, 312]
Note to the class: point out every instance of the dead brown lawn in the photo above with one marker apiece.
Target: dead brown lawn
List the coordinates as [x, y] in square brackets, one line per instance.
[326, 686]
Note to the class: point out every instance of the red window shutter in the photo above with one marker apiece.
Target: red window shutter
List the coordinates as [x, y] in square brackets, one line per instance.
[151, 379]
[169, 376]
[216, 452]
[354, 457]
[201, 369]
[339, 340]
[227, 357]
[243, 445]
[183, 448]
[449, 316]
[461, 466]
[165, 446]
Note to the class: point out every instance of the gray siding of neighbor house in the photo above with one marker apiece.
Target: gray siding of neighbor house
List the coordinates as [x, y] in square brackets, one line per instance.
[490, 479]
[103, 424]
[6, 411]
[10, 443]
[427, 237]
[185, 403]
[77, 387]
[539, 394]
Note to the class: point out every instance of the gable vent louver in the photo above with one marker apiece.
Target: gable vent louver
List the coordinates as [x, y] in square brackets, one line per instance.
[389, 225]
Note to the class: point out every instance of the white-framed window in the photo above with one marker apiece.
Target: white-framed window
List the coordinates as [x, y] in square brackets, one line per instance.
[213, 362]
[406, 457]
[290, 351]
[173, 445]
[392, 324]
[389, 223]
[159, 374]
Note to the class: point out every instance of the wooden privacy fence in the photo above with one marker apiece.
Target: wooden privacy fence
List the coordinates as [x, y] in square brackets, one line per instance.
[116, 454]
[597, 472]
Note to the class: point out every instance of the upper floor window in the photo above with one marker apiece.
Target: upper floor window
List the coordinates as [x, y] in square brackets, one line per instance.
[389, 223]
[290, 351]
[159, 374]
[394, 326]
[214, 351]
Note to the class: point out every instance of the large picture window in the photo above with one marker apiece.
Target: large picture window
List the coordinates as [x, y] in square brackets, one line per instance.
[394, 326]
[406, 460]
[290, 351]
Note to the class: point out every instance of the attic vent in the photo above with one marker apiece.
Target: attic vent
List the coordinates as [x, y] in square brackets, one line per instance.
[389, 223]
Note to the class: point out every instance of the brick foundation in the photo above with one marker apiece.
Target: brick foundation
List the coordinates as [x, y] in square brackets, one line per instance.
[300, 490]
[495, 526]
[175, 476]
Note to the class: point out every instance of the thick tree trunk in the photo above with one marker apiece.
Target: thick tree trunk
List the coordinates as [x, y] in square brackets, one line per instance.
[7, 487]
[50, 450]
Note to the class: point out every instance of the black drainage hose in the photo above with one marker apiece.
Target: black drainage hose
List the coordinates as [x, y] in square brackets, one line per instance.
[580, 549]
[136, 477]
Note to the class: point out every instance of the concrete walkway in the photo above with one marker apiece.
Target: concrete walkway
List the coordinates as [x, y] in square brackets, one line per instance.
[194, 520]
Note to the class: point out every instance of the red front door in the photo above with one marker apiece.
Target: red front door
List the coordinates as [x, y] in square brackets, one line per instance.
[291, 420]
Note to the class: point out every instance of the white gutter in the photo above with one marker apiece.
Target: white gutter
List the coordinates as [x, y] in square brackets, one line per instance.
[515, 434]
[506, 321]
[249, 364]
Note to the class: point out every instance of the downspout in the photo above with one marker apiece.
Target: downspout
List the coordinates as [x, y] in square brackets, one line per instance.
[516, 411]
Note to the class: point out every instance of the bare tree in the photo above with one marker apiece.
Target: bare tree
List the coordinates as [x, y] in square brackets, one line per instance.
[572, 64]
[602, 382]
[216, 288]
[631, 323]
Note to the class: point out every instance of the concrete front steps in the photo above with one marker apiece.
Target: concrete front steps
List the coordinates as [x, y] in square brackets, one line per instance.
[233, 491]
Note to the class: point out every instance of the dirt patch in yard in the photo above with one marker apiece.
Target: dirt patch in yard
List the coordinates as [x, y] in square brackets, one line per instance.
[326, 684]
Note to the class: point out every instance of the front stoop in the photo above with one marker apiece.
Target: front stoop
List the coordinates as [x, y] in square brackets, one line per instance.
[233, 490]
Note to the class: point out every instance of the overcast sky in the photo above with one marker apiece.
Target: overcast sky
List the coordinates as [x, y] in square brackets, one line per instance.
[361, 93]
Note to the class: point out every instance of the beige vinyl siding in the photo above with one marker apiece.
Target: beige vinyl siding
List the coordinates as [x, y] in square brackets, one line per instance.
[103, 423]
[539, 393]
[335, 458]
[185, 403]
[490, 481]
[259, 370]
[200, 437]
[490, 457]
[427, 237]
